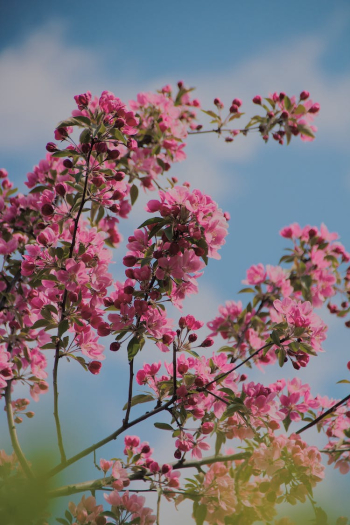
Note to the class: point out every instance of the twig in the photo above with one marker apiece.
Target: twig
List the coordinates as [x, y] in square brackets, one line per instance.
[111, 437]
[322, 416]
[131, 378]
[225, 374]
[13, 434]
[98, 484]
[63, 309]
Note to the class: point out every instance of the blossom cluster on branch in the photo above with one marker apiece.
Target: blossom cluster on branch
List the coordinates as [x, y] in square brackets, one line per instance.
[59, 301]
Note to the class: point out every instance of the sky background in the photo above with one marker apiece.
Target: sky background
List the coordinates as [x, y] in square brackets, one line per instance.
[51, 51]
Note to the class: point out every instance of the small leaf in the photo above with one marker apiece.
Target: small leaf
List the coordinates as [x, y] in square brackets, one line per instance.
[40, 324]
[141, 398]
[247, 290]
[134, 346]
[153, 220]
[117, 134]
[63, 327]
[343, 381]
[210, 113]
[134, 192]
[164, 426]
[275, 338]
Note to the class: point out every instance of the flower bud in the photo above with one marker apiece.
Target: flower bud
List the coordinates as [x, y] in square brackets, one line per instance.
[51, 147]
[166, 468]
[192, 338]
[207, 342]
[60, 189]
[177, 454]
[257, 99]
[113, 154]
[129, 260]
[146, 449]
[315, 108]
[94, 367]
[67, 163]
[47, 210]
[234, 108]
[101, 147]
[237, 102]
[114, 347]
[304, 95]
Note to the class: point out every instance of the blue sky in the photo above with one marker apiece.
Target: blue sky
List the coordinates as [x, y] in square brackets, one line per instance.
[52, 51]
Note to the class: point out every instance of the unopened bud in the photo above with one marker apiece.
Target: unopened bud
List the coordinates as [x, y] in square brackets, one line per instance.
[115, 346]
[51, 147]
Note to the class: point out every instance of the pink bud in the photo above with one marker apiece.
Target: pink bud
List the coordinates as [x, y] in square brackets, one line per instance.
[315, 108]
[304, 95]
[115, 346]
[47, 210]
[51, 147]
[237, 102]
[129, 260]
[94, 367]
[207, 427]
[257, 99]
[67, 163]
[207, 342]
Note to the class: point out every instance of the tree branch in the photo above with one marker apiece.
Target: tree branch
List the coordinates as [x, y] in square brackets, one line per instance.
[322, 416]
[98, 484]
[225, 374]
[13, 434]
[107, 439]
[131, 379]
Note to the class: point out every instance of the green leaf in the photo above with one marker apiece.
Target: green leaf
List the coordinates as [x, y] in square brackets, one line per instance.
[117, 134]
[83, 120]
[220, 440]
[63, 327]
[281, 356]
[275, 338]
[134, 346]
[164, 426]
[40, 324]
[85, 136]
[305, 130]
[247, 290]
[300, 110]
[38, 189]
[68, 516]
[134, 192]
[141, 398]
[210, 113]
[153, 220]
[62, 521]
[343, 381]
[287, 103]
[65, 153]
[286, 423]
[200, 513]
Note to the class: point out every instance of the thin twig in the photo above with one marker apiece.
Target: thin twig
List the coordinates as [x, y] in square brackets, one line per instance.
[98, 484]
[225, 374]
[322, 416]
[63, 309]
[131, 379]
[111, 437]
[13, 434]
